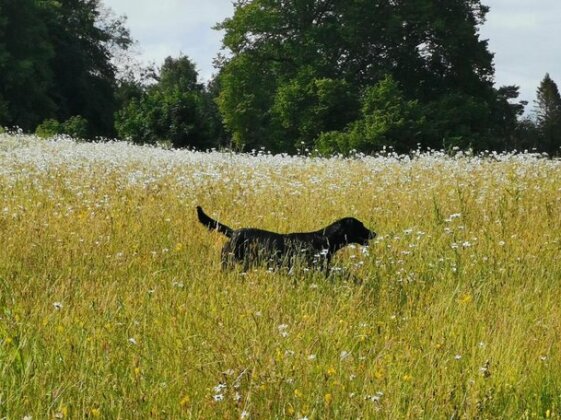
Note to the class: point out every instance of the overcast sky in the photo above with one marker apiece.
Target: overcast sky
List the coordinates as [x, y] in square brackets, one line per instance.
[523, 34]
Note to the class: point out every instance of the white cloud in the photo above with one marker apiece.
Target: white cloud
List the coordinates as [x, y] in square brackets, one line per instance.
[172, 27]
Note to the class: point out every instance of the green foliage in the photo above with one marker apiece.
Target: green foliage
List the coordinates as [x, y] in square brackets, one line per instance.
[548, 113]
[506, 115]
[332, 75]
[174, 110]
[25, 64]
[179, 74]
[243, 102]
[76, 127]
[55, 62]
[48, 128]
[84, 76]
[298, 68]
[387, 119]
[458, 120]
[307, 106]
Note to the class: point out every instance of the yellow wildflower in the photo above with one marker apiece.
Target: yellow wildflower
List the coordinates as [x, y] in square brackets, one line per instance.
[465, 299]
[184, 401]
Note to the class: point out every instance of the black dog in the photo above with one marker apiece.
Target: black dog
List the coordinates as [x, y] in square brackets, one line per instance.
[313, 249]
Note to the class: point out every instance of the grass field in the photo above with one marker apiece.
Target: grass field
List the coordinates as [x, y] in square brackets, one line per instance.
[113, 303]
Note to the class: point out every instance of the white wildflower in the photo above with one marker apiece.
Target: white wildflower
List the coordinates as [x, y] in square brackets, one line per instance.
[283, 330]
[218, 388]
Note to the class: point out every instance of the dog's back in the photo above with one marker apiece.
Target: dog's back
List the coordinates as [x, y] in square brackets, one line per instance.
[254, 246]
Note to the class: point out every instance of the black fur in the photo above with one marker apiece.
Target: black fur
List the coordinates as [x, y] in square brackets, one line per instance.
[252, 246]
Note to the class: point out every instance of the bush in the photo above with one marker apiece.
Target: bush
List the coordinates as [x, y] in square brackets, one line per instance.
[387, 119]
[48, 128]
[165, 116]
[76, 127]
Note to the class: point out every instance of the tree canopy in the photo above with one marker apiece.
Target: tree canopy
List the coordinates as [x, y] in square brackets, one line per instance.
[176, 109]
[55, 62]
[548, 113]
[299, 69]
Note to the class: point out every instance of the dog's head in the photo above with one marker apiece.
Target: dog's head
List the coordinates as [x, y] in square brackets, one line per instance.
[350, 231]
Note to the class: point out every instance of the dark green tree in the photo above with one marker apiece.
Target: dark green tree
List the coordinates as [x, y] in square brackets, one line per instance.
[527, 135]
[177, 109]
[282, 52]
[84, 42]
[506, 114]
[548, 116]
[244, 102]
[307, 106]
[56, 62]
[26, 75]
[387, 119]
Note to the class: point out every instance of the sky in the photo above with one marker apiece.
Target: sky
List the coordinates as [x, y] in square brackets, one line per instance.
[523, 34]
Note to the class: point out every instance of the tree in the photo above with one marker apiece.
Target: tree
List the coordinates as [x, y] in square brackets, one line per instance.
[387, 119]
[84, 75]
[548, 115]
[308, 105]
[76, 127]
[26, 76]
[289, 60]
[56, 62]
[244, 101]
[175, 109]
[506, 114]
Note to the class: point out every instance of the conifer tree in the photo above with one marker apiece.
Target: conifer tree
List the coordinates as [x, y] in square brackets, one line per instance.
[548, 115]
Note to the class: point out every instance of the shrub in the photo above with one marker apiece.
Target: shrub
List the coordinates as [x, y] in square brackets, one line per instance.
[387, 119]
[76, 126]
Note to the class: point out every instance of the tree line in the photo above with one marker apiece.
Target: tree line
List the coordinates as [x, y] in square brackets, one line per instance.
[330, 76]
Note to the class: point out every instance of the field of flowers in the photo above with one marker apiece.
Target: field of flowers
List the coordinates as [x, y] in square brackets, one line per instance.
[113, 303]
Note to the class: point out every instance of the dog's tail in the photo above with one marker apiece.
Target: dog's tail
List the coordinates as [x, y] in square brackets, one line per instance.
[213, 224]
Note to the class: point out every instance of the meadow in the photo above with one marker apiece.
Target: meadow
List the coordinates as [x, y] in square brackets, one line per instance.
[113, 303]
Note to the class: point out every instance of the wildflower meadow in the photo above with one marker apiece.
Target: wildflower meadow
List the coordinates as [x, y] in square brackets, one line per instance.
[113, 303]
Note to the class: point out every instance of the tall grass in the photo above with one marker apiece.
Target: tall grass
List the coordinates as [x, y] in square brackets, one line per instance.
[113, 304]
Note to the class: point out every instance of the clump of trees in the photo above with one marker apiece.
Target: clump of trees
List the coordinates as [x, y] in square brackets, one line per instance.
[359, 75]
[330, 76]
[175, 109]
[56, 63]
